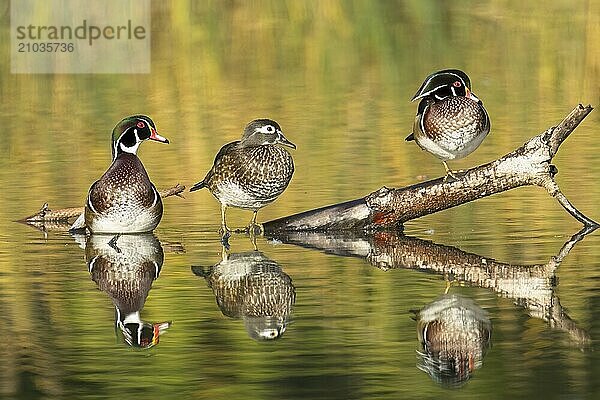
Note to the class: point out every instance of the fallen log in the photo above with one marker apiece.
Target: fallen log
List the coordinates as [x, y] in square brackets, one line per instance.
[387, 208]
[47, 219]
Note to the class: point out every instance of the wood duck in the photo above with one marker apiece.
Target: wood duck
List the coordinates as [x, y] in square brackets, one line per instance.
[451, 121]
[252, 287]
[124, 267]
[124, 200]
[252, 172]
[455, 334]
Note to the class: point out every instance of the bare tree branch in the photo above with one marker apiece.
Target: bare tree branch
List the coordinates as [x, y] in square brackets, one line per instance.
[528, 165]
[58, 219]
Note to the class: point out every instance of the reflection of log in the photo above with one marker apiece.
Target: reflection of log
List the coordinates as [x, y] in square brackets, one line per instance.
[527, 165]
[531, 286]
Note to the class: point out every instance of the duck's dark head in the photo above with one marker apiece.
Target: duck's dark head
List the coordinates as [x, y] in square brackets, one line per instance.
[131, 131]
[445, 83]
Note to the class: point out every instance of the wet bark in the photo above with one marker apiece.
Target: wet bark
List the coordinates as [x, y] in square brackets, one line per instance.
[386, 208]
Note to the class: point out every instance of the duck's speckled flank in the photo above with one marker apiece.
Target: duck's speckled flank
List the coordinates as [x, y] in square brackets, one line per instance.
[251, 177]
[123, 200]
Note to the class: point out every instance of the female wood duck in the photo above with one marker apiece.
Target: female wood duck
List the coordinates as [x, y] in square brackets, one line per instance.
[252, 172]
[124, 200]
[451, 121]
[252, 287]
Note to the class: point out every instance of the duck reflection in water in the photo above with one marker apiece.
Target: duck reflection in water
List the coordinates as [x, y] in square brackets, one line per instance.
[252, 287]
[124, 267]
[454, 333]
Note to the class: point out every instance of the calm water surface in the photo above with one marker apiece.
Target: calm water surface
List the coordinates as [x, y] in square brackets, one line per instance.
[345, 310]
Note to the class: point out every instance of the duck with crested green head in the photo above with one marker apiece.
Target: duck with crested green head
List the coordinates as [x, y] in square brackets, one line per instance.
[124, 200]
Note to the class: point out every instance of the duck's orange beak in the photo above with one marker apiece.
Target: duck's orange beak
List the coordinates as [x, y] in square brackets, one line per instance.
[471, 95]
[155, 136]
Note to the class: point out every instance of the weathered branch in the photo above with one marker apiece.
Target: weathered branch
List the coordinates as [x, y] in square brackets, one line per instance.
[530, 164]
[58, 219]
[530, 286]
[176, 190]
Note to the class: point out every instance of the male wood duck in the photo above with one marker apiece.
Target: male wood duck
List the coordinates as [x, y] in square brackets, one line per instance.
[252, 172]
[451, 121]
[455, 334]
[124, 200]
[124, 267]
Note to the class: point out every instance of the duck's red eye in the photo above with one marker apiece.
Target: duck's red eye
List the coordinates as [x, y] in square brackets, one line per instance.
[141, 125]
[456, 84]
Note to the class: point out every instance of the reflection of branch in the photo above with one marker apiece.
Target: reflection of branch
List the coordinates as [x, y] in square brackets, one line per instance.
[531, 286]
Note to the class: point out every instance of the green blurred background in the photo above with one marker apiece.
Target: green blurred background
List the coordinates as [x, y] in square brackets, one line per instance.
[338, 76]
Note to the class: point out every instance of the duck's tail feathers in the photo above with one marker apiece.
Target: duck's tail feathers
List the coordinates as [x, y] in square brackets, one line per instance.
[198, 186]
[410, 137]
[79, 223]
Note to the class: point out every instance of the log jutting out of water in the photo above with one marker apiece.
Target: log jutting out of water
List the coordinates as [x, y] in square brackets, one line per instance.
[62, 215]
[386, 208]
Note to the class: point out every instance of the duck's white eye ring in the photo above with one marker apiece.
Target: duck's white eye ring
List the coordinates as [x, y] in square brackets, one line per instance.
[268, 129]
